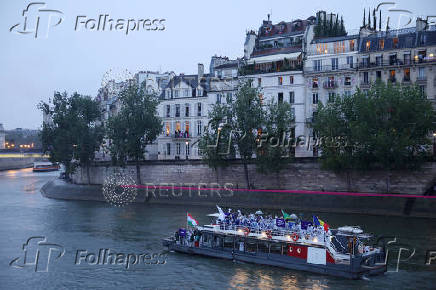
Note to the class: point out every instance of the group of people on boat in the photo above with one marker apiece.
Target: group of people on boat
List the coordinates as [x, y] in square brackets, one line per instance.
[259, 222]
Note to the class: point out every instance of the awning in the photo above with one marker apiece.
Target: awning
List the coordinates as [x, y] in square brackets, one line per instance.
[274, 57]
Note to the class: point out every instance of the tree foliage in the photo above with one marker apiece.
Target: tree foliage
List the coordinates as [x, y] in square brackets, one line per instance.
[274, 150]
[73, 131]
[134, 127]
[386, 127]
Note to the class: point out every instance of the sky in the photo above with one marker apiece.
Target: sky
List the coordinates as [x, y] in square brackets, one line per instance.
[64, 59]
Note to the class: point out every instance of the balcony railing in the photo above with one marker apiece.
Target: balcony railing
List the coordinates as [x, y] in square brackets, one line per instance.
[397, 62]
[251, 69]
[329, 68]
[330, 84]
[181, 135]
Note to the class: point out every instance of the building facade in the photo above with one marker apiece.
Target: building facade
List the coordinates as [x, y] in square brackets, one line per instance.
[2, 136]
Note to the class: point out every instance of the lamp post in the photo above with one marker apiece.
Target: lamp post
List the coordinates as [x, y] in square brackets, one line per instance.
[186, 149]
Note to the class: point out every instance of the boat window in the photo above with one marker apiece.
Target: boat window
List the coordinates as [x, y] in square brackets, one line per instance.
[218, 242]
[251, 247]
[263, 247]
[276, 248]
[228, 242]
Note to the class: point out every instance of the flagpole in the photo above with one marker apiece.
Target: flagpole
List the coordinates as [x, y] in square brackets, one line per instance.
[186, 220]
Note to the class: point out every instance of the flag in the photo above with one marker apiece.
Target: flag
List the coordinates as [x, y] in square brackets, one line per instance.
[316, 221]
[319, 222]
[280, 223]
[191, 221]
[222, 215]
[285, 215]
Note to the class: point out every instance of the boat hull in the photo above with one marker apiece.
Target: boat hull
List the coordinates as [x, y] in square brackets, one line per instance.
[350, 271]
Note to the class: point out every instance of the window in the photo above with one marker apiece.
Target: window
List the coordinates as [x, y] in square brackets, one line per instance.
[350, 61]
[178, 148]
[280, 81]
[218, 98]
[365, 61]
[406, 77]
[331, 97]
[365, 78]
[293, 113]
[259, 82]
[315, 83]
[168, 148]
[422, 89]
[347, 93]
[368, 45]
[199, 128]
[395, 42]
[280, 98]
[168, 114]
[393, 59]
[167, 129]
[177, 110]
[185, 93]
[352, 45]
[381, 44]
[199, 92]
[379, 60]
[331, 82]
[291, 79]
[315, 98]
[199, 109]
[291, 97]
[168, 94]
[276, 248]
[317, 65]
[187, 149]
[407, 58]
[187, 129]
[421, 73]
[186, 110]
[347, 81]
[392, 76]
[335, 65]
[378, 74]
[176, 94]
[261, 98]
[178, 126]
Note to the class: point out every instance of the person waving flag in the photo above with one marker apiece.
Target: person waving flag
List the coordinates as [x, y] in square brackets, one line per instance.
[190, 220]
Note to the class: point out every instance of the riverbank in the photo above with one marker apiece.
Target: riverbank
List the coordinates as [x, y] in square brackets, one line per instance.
[272, 199]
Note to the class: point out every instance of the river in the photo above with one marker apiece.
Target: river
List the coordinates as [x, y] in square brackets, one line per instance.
[85, 227]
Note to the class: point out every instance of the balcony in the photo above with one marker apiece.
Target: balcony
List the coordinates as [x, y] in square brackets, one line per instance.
[181, 136]
[421, 79]
[330, 84]
[396, 62]
[392, 79]
[329, 68]
[253, 69]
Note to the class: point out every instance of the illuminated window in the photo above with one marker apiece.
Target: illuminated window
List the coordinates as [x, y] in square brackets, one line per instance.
[395, 42]
[167, 129]
[261, 98]
[314, 83]
[177, 126]
[381, 44]
[407, 75]
[187, 127]
[352, 45]
[291, 79]
[280, 81]
[368, 45]
[392, 76]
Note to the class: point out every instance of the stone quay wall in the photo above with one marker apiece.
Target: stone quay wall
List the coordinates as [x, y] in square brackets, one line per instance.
[305, 174]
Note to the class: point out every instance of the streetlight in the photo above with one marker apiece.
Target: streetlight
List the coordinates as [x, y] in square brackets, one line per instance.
[186, 149]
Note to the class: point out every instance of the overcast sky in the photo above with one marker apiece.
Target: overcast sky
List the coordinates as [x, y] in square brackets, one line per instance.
[68, 60]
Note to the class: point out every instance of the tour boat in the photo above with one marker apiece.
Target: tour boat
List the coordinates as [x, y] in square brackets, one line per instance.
[303, 246]
[45, 166]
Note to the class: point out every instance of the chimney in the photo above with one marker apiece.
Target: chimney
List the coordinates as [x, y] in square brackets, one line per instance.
[200, 71]
[421, 24]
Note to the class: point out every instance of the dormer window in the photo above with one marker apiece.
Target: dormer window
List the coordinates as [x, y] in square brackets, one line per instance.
[199, 92]
[368, 45]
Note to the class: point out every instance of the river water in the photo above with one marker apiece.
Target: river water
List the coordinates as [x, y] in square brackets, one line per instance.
[86, 227]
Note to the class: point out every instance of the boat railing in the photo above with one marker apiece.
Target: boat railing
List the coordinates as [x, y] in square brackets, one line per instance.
[255, 230]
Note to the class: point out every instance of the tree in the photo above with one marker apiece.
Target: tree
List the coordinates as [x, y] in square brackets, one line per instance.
[73, 131]
[273, 151]
[216, 146]
[386, 127]
[134, 127]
